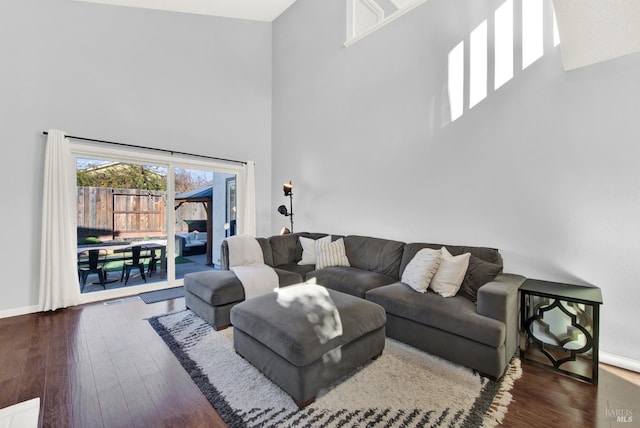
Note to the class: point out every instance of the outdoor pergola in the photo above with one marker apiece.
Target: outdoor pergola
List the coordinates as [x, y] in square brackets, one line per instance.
[205, 196]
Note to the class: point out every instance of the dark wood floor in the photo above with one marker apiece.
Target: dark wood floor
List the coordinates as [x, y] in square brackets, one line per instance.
[99, 366]
[103, 366]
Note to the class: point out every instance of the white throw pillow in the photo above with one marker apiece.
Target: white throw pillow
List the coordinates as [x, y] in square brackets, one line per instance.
[329, 254]
[309, 249]
[421, 269]
[450, 274]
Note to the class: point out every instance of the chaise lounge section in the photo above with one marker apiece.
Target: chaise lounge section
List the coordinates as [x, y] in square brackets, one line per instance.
[477, 328]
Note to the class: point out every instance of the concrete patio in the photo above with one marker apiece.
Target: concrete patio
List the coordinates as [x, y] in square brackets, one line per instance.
[197, 263]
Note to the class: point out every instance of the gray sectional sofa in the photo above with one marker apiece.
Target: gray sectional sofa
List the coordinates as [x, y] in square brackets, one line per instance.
[477, 328]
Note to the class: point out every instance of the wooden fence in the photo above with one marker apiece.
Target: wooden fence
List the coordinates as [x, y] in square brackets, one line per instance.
[108, 213]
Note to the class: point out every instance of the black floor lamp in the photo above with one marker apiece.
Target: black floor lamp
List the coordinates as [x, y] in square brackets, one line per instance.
[282, 209]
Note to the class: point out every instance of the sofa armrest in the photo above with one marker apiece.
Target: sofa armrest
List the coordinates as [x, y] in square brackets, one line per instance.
[264, 246]
[500, 296]
[498, 299]
[181, 242]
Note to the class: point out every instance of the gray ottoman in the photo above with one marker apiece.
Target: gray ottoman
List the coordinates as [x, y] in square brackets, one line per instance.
[305, 337]
[212, 294]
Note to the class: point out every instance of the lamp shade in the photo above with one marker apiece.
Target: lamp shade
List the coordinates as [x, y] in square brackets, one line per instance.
[288, 188]
[285, 230]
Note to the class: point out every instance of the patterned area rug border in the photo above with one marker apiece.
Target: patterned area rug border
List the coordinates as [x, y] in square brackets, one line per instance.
[488, 410]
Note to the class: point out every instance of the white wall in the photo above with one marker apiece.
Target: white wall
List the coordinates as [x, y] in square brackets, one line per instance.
[545, 168]
[175, 81]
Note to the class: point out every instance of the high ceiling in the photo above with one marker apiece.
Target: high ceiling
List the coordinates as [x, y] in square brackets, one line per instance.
[591, 30]
[255, 10]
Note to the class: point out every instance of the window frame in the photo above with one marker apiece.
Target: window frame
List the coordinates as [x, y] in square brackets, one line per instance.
[81, 149]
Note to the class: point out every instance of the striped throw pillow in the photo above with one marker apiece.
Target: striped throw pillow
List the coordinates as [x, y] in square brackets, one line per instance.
[329, 254]
[421, 269]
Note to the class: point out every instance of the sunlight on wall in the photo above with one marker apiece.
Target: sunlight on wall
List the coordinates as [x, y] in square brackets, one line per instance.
[556, 33]
[456, 81]
[503, 44]
[532, 26]
[514, 23]
[478, 64]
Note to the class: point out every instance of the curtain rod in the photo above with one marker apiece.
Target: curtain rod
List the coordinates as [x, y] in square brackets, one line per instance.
[172, 152]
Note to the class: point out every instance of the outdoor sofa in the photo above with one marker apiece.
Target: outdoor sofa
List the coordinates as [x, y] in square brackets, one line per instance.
[192, 243]
[477, 328]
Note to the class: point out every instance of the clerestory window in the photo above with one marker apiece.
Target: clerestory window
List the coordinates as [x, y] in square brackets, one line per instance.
[366, 16]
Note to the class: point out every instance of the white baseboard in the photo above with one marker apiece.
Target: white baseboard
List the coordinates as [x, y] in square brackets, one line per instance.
[620, 361]
[19, 311]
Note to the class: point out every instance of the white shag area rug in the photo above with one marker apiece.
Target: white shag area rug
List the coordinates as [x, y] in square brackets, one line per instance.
[405, 387]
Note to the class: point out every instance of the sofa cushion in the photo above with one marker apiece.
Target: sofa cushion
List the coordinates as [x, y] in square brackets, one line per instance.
[309, 249]
[478, 274]
[216, 287]
[300, 270]
[196, 237]
[288, 277]
[421, 269]
[266, 251]
[264, 246]
[448, 278]
[287, 249]
[349, 280]
[490, 255]
[331, 254]
[455, 315]
[374, 254]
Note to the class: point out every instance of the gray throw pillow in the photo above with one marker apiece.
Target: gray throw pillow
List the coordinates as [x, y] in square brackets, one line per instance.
[478, 274]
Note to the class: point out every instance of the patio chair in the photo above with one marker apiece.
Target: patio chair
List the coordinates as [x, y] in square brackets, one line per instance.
[153, 261]
[92, 262]
[135, 261]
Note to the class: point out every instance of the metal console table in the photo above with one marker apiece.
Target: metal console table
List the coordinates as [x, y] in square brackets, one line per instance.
[560, 327]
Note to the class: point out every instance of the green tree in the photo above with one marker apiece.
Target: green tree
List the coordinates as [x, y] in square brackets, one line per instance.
[122, 176]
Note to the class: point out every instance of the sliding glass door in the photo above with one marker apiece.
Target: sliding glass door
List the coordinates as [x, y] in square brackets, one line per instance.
[146, 224]
[122, 218]
[202, 202]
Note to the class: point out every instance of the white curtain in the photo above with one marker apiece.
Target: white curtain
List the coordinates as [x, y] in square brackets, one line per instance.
[59, 286]
[248, 213]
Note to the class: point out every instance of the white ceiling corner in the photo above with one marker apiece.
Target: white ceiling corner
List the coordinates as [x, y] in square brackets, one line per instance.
[254, 10]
